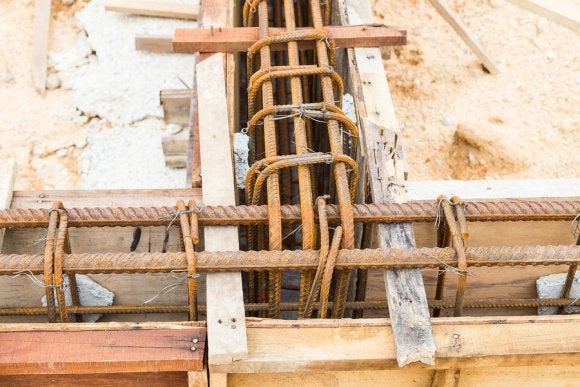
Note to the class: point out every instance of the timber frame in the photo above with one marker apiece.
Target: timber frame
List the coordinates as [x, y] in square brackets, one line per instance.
[446, 351]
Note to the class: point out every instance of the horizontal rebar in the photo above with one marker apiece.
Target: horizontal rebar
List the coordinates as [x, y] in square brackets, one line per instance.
[418, 211]
[293, 306]
[233, 261]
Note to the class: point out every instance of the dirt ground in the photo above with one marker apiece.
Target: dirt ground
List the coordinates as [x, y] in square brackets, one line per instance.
[45, 135]
[457, 121]
[461, 123]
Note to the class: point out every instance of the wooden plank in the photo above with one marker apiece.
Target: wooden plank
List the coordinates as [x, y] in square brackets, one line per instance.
[563, 12]
[7, 176]
[368, 344]
[154, 8]
[175, 151]
[379, 127]
[494, 189]
[225, 304]
[375, 378]
[464, 34]
[197, 378]
[176, 106]
[105, 197]
[239, 39]
[129, 379]
[99, 351]
[40, 45]
[153, 43]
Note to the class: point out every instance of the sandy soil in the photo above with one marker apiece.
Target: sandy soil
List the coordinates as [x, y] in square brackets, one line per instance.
[461, 123]
[458, 122]
[43, 134]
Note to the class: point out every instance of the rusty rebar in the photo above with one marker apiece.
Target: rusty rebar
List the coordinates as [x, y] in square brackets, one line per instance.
[209, 262]
[293, 306]
[410, 212]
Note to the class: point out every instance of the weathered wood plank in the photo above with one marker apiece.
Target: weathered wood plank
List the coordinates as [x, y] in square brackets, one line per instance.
[225, 304]
[154, 8]
[464, 34]
[176, 106]
[386, 170]
[40, 45]
[563, 12]
[7, 176]
[153, 43]
[239, 39]
[99, 351]
[174, 151]
[129, 379]
[365, 344]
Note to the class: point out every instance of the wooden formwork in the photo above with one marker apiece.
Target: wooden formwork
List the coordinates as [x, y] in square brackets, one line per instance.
[510, 347]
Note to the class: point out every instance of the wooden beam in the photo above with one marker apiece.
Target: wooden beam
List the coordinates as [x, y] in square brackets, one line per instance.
[101, 351]
[175, 151]
[239, 39]
[176, 106]
[154, 8]
[464, 34]
[563, 12]
[153, 43]
[368, 344]
[7, 176]
[40, 45]
[405, 290]
[126, 379]
[225, 304]
[105, 197]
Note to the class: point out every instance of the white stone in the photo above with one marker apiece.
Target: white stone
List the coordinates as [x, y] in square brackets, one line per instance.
[241, 152]
[448, 120]
[551, 286]
[90, 294]
[52, 81]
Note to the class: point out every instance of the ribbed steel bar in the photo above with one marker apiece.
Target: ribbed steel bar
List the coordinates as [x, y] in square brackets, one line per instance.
[293, 306]
[410, 212]
[421, 258]
[302, 147]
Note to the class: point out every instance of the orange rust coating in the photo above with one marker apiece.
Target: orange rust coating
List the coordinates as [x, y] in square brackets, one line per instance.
[233, 261]
[410, 212]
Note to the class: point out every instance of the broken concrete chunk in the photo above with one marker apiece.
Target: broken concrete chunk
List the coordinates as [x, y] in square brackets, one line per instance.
[90, 294]
[551, 287]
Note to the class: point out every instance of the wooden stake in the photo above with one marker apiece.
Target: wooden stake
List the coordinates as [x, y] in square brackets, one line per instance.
[7, 175]
[154, 8]
[461, 30]
[40, 45]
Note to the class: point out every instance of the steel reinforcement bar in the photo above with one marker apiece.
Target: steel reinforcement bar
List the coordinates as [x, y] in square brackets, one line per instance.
[293, 306]
[422, 258]
[417, 212]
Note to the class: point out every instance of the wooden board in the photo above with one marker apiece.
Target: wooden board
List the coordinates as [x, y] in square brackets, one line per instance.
[129, 379]
[40, 45]
[464, 34]
[563, 12]
[174, 151]
[368, 344]
[101, 351]
[154, 8]
[176, 106]
[225, 304]
[153, 43]
[105, 197]
[239, 39]
[379, 130]
[7, 176]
